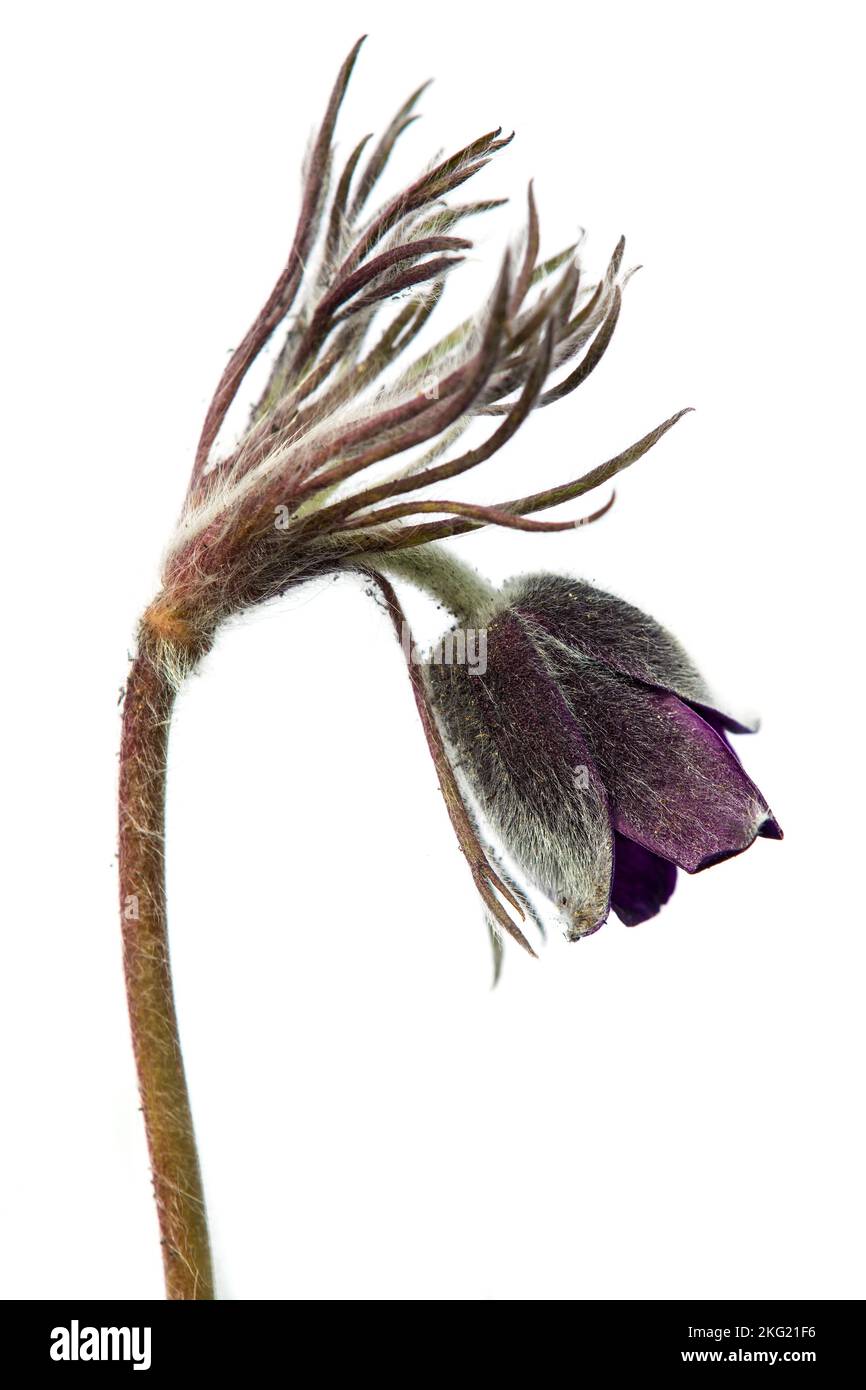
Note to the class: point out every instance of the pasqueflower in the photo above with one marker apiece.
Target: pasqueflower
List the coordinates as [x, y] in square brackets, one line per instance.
[595, 750]
[596, 756]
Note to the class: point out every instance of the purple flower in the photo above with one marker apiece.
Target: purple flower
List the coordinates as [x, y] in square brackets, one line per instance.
[593, 747]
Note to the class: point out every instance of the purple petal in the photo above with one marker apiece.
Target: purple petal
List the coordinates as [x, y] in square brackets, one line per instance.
[617, 635]
[642, 882]
[675, 785]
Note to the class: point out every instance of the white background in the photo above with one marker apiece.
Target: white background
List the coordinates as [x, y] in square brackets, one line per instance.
[669, 1111]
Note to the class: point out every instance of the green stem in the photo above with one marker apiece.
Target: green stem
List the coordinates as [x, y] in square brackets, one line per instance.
[441, 574]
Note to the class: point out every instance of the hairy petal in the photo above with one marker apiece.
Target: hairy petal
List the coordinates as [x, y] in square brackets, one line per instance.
[488, 882]
[675, 786]
[617, 635]
[522, 753]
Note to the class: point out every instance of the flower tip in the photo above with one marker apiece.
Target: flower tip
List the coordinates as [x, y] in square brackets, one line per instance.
[770, 829]
[749, 724]
[583, 924]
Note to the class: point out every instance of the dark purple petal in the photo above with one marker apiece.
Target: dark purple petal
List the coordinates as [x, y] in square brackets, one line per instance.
[521, 751]
[675, 786]
[771, 829]
[642, 882]
[618, 635]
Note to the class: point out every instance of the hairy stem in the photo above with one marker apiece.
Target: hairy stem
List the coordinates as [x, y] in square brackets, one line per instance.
[440, 573]
[164, 1098]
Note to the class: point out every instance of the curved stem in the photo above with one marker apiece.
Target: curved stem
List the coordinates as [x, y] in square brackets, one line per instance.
[164, 1097]
[442, 574]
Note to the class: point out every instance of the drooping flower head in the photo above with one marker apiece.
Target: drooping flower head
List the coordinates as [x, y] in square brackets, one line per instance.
[594, 749]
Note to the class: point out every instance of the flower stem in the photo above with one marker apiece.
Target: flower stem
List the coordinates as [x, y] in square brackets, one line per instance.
[442, 574]
[162, 1083]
